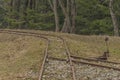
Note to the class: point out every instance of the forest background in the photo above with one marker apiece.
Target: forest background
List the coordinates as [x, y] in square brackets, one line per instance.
[88, 17]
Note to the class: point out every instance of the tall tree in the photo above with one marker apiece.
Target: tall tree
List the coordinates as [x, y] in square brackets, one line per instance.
[54, 5]
[73, 16]
[114, 18]
[67, 24]
[69, 12]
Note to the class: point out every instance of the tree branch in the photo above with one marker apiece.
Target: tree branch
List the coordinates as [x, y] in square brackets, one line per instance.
[51, 5]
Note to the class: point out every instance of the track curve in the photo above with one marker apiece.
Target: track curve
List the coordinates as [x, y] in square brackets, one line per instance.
[46, 53]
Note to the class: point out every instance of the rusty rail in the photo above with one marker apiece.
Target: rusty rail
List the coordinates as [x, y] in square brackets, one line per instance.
[70, 60]
[44, 61]
[96, 60]
[97, 65]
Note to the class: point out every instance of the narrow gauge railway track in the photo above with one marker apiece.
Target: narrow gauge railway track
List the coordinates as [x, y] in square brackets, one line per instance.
[96, 60]
[108, 64]
[46, 51]
[74, 59]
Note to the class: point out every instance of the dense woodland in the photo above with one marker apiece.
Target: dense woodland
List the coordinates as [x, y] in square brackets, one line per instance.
[70, 16]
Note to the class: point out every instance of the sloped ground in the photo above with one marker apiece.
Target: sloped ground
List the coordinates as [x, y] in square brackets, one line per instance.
[21, 56]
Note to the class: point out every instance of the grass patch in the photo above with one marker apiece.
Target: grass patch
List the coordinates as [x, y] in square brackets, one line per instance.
[20, 56]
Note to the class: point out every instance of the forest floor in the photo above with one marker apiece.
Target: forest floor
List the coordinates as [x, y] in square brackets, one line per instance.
[21, 56]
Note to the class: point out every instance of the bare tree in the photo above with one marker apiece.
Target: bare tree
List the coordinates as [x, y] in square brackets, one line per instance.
[54, 4]
[69, 12]
[73, 15]
[114, 19]
[67, 23]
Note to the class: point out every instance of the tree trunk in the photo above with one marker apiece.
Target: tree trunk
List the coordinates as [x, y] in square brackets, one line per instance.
[114, 19]
[53, 6]
[56, 15]
[67, 24]
[73, 15]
